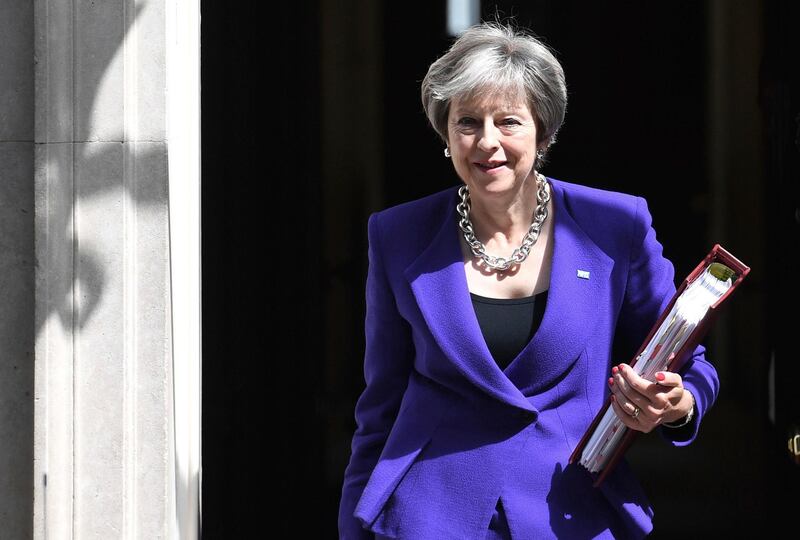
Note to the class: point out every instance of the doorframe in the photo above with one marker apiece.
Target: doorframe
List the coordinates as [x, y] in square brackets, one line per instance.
[183, 135]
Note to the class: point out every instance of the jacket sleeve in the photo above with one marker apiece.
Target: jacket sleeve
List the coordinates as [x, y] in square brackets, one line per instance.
[649, 289]
[388, 361]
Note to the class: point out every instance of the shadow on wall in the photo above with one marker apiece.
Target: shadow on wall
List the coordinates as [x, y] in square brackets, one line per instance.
[106, 165]
[102, 233]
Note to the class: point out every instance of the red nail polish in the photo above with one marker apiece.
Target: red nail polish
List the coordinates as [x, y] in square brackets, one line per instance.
[660, 376]
[613, 398]
[615, 370]
[611, 381]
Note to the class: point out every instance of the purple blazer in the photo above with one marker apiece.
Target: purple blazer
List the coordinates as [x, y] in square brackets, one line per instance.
[443, 432]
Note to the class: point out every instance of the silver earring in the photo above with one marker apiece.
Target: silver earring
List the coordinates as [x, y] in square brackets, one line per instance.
[539, 154]
[446, 152]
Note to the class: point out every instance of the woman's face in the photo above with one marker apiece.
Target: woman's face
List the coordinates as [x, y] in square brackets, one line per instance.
[492, 142]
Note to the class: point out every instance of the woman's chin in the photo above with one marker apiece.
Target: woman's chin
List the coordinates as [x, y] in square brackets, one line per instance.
[496, 187]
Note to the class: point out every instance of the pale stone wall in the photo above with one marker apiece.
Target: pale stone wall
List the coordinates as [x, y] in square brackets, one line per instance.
[102, 291]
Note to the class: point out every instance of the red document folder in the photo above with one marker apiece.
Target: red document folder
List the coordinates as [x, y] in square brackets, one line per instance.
[676, 359]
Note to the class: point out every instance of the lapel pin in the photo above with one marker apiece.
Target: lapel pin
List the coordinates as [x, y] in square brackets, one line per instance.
[583, 274]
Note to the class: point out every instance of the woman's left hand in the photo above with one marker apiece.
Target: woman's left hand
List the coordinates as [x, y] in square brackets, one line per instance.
[644, 405]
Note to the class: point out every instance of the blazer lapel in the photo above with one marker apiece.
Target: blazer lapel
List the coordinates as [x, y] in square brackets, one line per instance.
[579, 288]
[439, 285]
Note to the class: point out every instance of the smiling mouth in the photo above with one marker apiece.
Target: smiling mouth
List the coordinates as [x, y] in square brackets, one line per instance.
[491, 166]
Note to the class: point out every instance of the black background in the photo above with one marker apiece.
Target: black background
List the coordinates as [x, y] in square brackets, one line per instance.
[636, 122]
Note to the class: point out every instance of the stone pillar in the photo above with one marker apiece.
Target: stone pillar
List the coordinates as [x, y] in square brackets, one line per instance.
[103, 362]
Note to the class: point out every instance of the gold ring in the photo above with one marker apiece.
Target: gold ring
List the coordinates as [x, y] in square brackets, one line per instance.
[636, 412]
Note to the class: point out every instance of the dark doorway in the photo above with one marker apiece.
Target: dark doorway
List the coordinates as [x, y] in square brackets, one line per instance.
[261, 269]
[283, 289]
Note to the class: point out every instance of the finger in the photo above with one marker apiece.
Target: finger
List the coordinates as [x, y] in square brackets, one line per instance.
[668, 378]
[624, 417]
[636, 382]
[662, 400]
[668, 389]
[636, 418]
[626, 405]
[650, 410]
[616, 393]
[624, 386]
[653, 398]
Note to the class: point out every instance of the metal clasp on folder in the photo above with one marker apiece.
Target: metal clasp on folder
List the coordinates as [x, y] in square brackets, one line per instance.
[794, 447]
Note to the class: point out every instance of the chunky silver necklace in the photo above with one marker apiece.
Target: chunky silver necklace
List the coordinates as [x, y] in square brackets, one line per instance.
[521, 253]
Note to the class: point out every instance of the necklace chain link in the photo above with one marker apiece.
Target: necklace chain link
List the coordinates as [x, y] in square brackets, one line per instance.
[521, 253]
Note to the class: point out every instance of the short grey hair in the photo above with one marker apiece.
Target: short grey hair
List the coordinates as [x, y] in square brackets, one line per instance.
[493, 58]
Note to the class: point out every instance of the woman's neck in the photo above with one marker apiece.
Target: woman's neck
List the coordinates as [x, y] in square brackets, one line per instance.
[502, 222]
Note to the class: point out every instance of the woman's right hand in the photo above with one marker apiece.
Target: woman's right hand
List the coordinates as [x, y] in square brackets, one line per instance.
[644, 405]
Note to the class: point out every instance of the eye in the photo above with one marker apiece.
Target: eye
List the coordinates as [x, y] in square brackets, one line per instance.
[466, 121]
[511, 122]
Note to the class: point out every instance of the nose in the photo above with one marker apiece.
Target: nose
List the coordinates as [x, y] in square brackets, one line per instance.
[488, 140]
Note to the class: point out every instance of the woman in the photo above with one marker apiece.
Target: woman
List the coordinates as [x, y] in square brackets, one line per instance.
[483, 370]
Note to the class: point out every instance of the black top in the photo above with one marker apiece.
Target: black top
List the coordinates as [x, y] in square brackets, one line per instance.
[508, 324]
